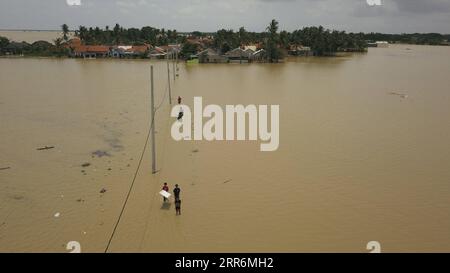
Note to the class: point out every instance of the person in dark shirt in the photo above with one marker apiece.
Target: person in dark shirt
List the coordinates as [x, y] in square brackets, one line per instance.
[165, 188]
[176, 192]
[178, 206]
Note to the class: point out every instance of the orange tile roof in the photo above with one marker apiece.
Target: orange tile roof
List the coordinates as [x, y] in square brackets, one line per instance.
[138, 49]
[92, 49]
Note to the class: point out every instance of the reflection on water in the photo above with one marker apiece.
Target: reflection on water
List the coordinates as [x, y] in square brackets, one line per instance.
[355, 163]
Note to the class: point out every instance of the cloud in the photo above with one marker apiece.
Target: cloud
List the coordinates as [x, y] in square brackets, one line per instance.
[73, 2]
[423, 6]
[209, 15]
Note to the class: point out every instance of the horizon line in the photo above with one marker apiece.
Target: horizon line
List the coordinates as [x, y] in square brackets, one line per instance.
[71, 30]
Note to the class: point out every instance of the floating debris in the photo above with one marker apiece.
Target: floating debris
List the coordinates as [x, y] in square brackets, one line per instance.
[195, 151]
[87, 164]
[5, 168]
[100, 153]
[403, 96]
[109, 169]
[227, 181]
[18, 197]
[57, 215]
[45, 148]
[80, 200]
[103, 190]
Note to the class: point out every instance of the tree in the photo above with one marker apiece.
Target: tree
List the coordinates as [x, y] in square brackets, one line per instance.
[4, 42]
[58, 50]
[116, 34]
[188, 49]
[273, 52]
[243, 36]
[284, 39]
[82, 33]
[65, 30]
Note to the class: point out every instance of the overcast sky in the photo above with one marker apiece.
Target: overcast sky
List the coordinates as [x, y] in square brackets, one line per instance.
[394, 16]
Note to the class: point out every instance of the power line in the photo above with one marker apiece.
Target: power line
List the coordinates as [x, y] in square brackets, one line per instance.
[139, 166]
[131, 187]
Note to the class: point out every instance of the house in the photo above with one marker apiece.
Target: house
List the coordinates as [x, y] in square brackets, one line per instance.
[171, 49]
[251, 47]
[129, 51]
[157, 53]
[382, 44]
[175, 48]
[239, 55]
[211, 56]
[91, 51]
[371, 44]
[258, 56]
[299, 50]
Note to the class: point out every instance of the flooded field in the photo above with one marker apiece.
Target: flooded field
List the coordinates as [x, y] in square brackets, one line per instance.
[31, 36]
[364, 156]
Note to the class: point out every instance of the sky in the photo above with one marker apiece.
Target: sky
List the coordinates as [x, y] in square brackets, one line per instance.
[392, 16]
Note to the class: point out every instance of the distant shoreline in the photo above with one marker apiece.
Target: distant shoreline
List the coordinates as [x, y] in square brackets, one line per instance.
[206, 32]
[34, 30]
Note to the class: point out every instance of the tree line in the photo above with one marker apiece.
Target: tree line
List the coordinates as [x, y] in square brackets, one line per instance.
[120, 35]
[413, 38]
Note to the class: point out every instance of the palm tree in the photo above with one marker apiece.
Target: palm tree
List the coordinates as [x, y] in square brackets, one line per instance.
[65, 30]
[273, 53]
[82, 33]
[243, 36]
[116, 34]
[273, 27]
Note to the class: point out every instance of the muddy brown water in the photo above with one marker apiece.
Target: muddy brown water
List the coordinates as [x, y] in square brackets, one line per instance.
[357, 162]
[31, 36]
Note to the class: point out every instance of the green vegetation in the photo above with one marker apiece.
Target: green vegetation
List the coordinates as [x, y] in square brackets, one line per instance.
[119, 35]
[39, 48]
[272, 43]
[65, 30]
[414, 38]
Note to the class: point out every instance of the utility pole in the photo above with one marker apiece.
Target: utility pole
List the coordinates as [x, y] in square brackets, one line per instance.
[168, 79]
[152, 101]
[176, 59]
[173, 66]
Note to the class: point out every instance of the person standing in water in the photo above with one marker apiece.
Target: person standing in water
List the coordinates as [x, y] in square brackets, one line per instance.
[179, 100]
[165, 188]
[178, 206]
[176, 192]
[181, 114]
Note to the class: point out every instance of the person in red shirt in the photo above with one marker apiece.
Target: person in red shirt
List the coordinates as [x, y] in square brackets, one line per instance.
[165, 188]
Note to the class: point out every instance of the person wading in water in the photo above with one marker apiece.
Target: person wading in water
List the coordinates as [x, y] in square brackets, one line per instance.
[165, 188]
[176, 192]
[178, 206]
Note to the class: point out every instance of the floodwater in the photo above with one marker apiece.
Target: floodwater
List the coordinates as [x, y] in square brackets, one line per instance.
[31, 36]
[364, 156]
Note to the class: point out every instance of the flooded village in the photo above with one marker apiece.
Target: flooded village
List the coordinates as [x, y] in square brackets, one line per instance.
[363, 149]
